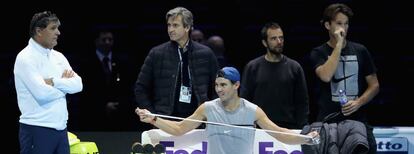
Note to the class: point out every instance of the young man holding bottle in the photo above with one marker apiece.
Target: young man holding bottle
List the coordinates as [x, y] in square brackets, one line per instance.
[340, 64]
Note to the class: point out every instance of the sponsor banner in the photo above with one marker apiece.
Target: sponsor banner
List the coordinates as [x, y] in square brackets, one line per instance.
[392, 145]
[195, 142]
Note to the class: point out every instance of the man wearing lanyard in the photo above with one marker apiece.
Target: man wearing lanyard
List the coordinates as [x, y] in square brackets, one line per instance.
[179, 74]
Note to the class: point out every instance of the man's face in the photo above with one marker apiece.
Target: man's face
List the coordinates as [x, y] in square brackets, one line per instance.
[176, 29]
[197, 36]
[225, 89]
[341, 21]
[48, 36]
[275, 40]
[105, 41]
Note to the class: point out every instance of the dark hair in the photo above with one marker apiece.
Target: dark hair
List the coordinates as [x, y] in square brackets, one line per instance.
[270, 25]
[332, 10]
[41, 20]
[220, 74]
[99, 32]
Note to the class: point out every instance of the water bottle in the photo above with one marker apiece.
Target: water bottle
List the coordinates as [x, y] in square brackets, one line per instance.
[159, 149]
[342, 97]
[316, 139]
[137, 148]
[148, 149]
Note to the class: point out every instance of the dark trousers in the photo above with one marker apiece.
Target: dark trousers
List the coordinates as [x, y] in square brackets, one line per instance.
[371, 139]
[42, 140]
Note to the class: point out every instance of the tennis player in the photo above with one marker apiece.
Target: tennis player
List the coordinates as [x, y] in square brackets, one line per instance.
[229, 108]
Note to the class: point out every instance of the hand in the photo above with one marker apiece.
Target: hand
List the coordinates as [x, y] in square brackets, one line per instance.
[144, 115]
[339, 35]
[68, 74]
[315, 138]
[49, 81]
[111, 107]
[350, 107]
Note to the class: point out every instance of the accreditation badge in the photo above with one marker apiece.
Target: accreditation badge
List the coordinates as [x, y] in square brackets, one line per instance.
[185, 94]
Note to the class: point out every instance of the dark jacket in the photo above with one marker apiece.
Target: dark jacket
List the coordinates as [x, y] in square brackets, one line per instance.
[99, 89]
[352, 137]
[348, 136]
[156, 83]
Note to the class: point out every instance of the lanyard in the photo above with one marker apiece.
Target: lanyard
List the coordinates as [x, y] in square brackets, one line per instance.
[181, 65]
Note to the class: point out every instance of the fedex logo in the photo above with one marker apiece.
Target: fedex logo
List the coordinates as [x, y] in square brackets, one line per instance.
[264, 148]
[170, 144]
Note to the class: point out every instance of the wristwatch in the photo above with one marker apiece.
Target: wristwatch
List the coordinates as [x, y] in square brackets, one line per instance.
[154, 120]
